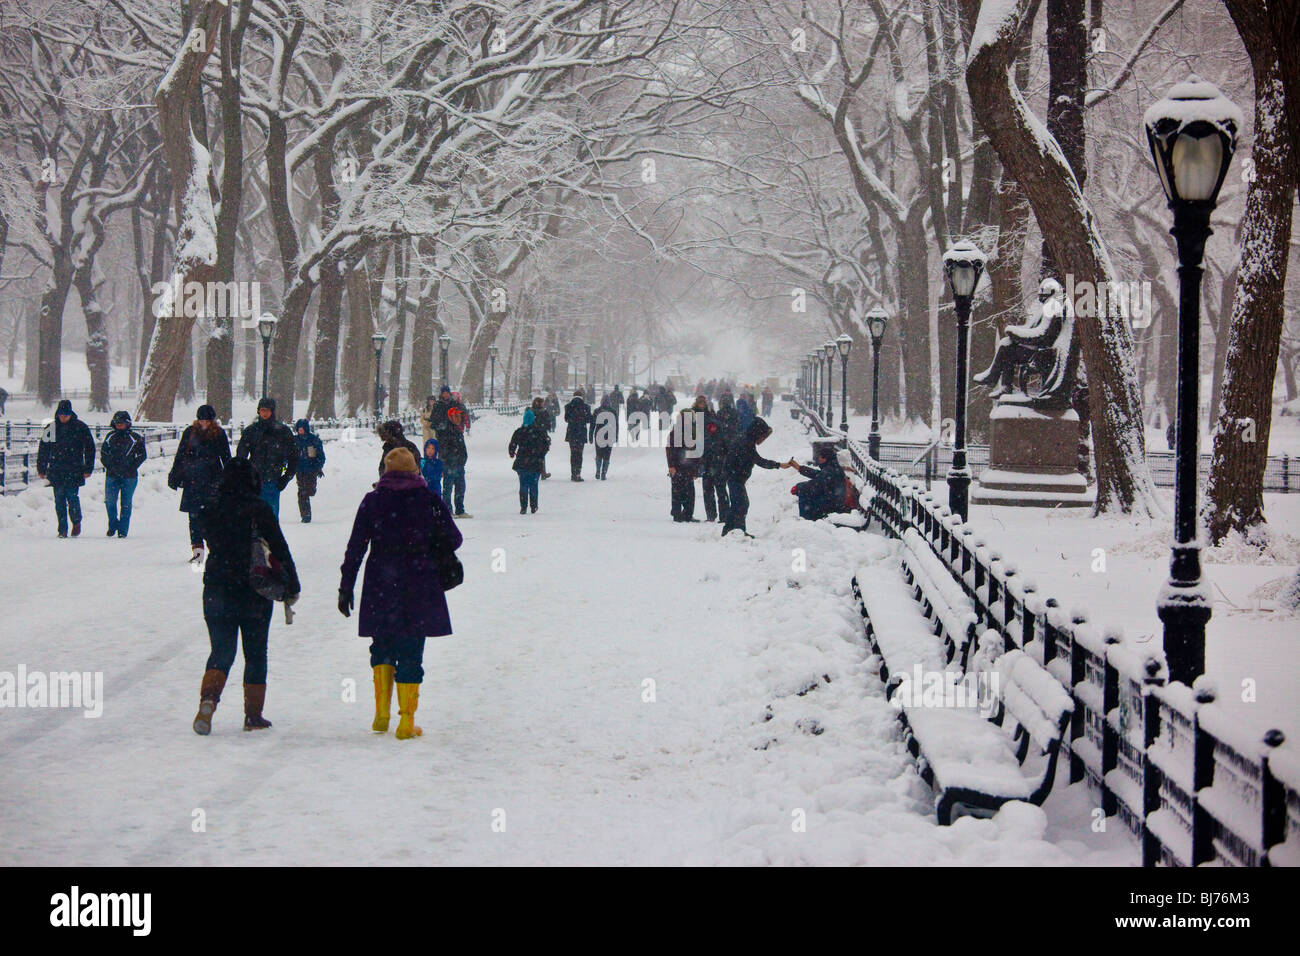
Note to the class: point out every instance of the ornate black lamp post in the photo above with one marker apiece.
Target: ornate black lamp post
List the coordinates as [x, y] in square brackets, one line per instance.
[378, 340]
[844, 344]
[963, 264]
[266, 328]
[587, 372]
[803, 380]
[492, 382]
[815, 365]
[445, 341]
[1192, 133]
[532, 357]
[828, 356]
[876, 320]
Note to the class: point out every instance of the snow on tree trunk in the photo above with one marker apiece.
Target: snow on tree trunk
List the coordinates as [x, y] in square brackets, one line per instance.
[196, 241]
[1234, 494]
[1067, 222]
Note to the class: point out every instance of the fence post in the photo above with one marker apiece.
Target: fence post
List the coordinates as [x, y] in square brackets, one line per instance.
[1286, 474]
[1202, 777]
[1078, 720]
[1274, 796]
[1109, 734]
[1150, 774]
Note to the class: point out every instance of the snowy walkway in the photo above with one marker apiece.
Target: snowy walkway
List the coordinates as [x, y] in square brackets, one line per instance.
[764, 709]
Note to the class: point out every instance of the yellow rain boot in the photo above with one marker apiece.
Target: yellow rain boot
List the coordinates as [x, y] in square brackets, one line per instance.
[408, 698]
[383, 697]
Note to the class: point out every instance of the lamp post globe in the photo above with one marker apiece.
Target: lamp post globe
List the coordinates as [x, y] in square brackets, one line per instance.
[492, 380]
[828, 356]
[963, 264]
[877, 319]
[1192, 135]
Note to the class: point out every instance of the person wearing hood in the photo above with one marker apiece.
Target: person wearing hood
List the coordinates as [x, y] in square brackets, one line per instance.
[235, 613]
[311, 465]
[741, 459]
[393, 436]
[545, 421]
[528, 447]
[577, 418]
[431, 466]
[66, 457]
[823, 493]
[407, 530]
[122, 453]
[201, 458]
[268, 445]
[604, 435]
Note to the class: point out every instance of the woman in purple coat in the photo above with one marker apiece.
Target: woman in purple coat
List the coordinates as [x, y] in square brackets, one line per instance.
[404, 525]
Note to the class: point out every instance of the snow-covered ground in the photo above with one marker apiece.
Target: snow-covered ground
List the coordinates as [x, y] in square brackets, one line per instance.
[538, 711]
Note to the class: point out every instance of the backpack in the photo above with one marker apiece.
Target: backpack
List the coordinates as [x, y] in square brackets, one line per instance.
[266, 575]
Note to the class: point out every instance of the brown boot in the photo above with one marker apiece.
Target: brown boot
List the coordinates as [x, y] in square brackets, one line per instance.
[254, 697]
[214, 681]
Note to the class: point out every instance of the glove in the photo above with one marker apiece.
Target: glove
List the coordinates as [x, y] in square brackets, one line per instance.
[345, 602]
[291, 599]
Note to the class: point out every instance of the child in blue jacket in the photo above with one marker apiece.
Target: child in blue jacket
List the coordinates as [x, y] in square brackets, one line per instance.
[431, 466]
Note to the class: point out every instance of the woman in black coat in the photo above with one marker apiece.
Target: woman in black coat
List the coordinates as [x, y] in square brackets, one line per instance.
[233, 611]
[201, 459]
[528, 447]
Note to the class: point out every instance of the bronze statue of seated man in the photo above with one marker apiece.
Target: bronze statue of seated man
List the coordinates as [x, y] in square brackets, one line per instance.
[1044, 347]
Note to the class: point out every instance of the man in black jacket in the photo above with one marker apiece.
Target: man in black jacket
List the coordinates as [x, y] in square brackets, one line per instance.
[577, 417]
[683, 450]
[66, 457]
[823, 493]
[122, 454]
[269, 447]
[741, 459]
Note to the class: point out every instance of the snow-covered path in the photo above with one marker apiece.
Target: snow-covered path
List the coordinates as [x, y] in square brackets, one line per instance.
[619, 689]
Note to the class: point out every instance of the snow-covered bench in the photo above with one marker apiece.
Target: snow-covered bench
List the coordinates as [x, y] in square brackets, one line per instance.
[1001, 741]
[973, 764]
[942, 598]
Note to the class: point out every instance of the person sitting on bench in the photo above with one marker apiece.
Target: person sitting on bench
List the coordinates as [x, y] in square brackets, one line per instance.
[823, 493]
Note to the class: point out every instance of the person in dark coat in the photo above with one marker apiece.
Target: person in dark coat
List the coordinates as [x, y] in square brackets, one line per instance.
[66, 457]
[4, 397]
[545, 421]
[405, 527]
[684, 449]
[604, 435]
[122, 453]
[434, 418]
[745, 413]
[311, 465]
[768, 399]
[635, 414]
[455, 455]
[201, 457]
[553, 409]
[393, 435]
[577, 417]
[269, 447]
[233, 611]
[823, 493]
[528, 447]
[741, 459]
[713, 472]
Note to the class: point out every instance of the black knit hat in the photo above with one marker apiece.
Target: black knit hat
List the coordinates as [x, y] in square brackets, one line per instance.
[206, 413]
[65, 408]
[121, 416]
[267, 403]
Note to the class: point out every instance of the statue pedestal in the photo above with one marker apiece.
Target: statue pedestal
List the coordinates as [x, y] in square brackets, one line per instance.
[1033, 458]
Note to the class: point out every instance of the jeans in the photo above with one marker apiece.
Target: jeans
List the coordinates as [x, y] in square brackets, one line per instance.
[739, 505]
[453, 483]
[602, 462]
[715, 496]
[528, 488]
[270, 493]
[405, 654]
[683, 496]
[306, 488]
[67, 503]
[119, 522]
[196, 530]
[232, 612]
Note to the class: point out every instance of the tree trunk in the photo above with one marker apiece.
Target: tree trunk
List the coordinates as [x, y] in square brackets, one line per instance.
[49, 380]
[1234, 494]
[401, 264]
[1123, 478]
[358, 353]
[1067, 45]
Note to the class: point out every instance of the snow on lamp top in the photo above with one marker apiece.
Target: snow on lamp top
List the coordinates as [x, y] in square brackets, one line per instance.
[266, 326]
[963, 263]
[844, 344]
[1192, 133]
[876, 320]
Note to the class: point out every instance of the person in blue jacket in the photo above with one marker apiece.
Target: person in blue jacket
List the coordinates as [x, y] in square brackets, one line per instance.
[431, 466]
[122, 453]
[311, 465]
